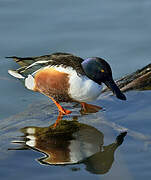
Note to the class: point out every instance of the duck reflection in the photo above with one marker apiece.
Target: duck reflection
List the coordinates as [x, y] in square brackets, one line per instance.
[71, 142]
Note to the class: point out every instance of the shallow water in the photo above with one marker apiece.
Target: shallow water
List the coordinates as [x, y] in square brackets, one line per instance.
[118, 32]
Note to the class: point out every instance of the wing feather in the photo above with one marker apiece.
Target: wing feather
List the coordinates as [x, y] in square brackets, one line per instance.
[32, 64]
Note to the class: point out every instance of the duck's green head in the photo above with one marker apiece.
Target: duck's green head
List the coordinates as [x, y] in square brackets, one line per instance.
[100, 71]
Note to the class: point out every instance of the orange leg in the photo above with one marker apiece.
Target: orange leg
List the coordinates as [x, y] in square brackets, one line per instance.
[60, 108]
[89, 108]
[59, 118]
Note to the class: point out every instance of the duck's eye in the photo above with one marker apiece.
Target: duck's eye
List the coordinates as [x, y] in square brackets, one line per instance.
[102, 70]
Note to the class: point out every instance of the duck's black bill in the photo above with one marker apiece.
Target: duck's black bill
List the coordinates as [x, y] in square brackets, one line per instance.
[111, 85]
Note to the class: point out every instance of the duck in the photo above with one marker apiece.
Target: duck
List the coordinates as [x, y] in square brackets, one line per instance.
[64, 77]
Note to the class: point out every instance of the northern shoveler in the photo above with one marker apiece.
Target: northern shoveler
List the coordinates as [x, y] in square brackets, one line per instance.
[64, 77]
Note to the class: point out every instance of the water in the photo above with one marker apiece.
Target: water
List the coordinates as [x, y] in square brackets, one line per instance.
[118, 31]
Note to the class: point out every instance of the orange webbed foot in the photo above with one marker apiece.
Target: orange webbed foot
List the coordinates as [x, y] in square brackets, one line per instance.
[89, 108]
[65, 111]
[60, 108]
[62, 111]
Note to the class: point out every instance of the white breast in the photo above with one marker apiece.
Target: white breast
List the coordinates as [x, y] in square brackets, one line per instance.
[83, 89]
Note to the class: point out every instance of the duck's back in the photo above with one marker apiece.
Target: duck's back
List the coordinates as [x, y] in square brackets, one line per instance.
[55, 59]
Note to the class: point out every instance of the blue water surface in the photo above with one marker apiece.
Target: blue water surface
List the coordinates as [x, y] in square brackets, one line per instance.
[118, 31]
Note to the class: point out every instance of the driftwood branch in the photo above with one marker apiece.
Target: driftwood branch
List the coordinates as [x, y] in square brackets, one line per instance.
[139, 80]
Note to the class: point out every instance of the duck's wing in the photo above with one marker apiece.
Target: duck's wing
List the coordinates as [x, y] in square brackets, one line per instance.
[32, 64]
[26, 61]
[67, 60]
